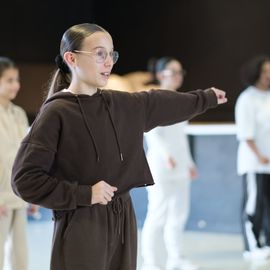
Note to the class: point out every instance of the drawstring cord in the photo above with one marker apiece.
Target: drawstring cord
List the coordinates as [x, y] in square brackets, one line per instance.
[118, 209]
[114, 129]
[88, 128]
[91, 134]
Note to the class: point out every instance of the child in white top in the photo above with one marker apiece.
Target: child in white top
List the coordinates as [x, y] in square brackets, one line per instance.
[172, 168]
[252, 114]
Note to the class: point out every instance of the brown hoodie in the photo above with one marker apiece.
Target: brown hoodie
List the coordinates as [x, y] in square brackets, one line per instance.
[78, 140]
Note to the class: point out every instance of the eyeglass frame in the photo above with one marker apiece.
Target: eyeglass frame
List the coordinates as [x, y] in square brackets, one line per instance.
[110, 54]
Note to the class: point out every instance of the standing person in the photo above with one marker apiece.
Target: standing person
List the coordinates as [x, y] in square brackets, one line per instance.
[13, 127]
[252, 115]
[84, 152]
[172, 168]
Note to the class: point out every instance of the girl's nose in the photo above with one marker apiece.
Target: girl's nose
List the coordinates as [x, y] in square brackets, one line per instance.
[108, 61]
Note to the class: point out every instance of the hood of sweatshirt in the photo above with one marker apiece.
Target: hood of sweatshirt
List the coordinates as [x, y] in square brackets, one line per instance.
[79, 99]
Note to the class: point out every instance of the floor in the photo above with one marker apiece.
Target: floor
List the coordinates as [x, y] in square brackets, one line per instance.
[211, 251]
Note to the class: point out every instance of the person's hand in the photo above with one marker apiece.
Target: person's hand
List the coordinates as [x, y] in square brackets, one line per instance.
[193, 172]
[170, 163]
[33, 208]
[263, 160]
[33, 211]
[221, 95]
[102, 193]
[3, 211]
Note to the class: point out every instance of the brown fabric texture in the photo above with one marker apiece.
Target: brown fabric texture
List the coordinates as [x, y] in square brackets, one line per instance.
[78, 140]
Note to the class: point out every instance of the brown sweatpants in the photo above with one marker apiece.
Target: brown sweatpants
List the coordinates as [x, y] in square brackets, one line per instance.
[96, 238]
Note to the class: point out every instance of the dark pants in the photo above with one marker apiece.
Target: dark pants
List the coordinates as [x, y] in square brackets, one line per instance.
[256, 209]
[96, 238]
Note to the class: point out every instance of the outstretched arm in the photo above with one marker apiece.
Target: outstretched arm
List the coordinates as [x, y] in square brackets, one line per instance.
[162, 107]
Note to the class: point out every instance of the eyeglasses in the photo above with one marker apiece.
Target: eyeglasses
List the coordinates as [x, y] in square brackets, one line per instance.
[171, 72]
[101, 55]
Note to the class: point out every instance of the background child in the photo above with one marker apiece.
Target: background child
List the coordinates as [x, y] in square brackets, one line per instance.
[172, 167]
[13, 127]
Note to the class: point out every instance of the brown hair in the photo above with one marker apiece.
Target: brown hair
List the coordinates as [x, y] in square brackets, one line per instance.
[71, 40]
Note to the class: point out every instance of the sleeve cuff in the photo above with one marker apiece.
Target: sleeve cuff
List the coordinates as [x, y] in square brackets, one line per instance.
[211, 97]
[84, 195]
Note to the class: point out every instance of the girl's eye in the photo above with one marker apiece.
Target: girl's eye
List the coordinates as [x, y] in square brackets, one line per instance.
[13, 80]
[101, 53]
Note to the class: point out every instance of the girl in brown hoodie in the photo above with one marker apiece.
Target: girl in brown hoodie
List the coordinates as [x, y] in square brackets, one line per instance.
[84, 152]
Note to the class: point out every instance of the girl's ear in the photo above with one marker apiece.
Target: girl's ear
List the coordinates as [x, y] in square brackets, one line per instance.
[70, 59]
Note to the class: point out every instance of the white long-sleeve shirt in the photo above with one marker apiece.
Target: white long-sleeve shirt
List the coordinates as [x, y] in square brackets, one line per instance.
[172, 141]
[13, 127]
[252, 115]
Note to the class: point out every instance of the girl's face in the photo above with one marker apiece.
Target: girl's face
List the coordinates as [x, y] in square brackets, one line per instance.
[264, 79]
[172, 76]
[93, 62]
[9, 84]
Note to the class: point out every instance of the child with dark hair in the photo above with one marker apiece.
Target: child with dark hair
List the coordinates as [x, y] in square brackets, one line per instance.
[13, 127]
[84, 152]
[173, 169]
[252, 115]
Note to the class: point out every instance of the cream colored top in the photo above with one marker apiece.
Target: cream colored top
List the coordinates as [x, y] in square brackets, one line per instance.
[13, 127]
[252, 114]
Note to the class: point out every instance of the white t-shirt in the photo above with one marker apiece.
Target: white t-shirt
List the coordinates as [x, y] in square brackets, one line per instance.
[169, 141]
[252, 115]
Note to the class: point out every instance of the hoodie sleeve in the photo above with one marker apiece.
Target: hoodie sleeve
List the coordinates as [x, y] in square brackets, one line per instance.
[163, 107]
[31, 175]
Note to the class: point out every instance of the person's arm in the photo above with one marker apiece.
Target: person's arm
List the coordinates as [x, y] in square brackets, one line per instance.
[162, 107]
[185, 145]
[193, 172]
[31, 175]
[2, 175]
[262, 159]
[3, 211]
[155, 139]
[246, 125]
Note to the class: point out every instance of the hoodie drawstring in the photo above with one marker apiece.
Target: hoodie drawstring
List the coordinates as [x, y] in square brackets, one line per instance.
[91, 134]
[119, 211]
[114, 128]
[89, 129]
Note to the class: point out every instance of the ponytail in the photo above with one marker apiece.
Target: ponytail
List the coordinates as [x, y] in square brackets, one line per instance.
[61, 78]
[58, 82]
